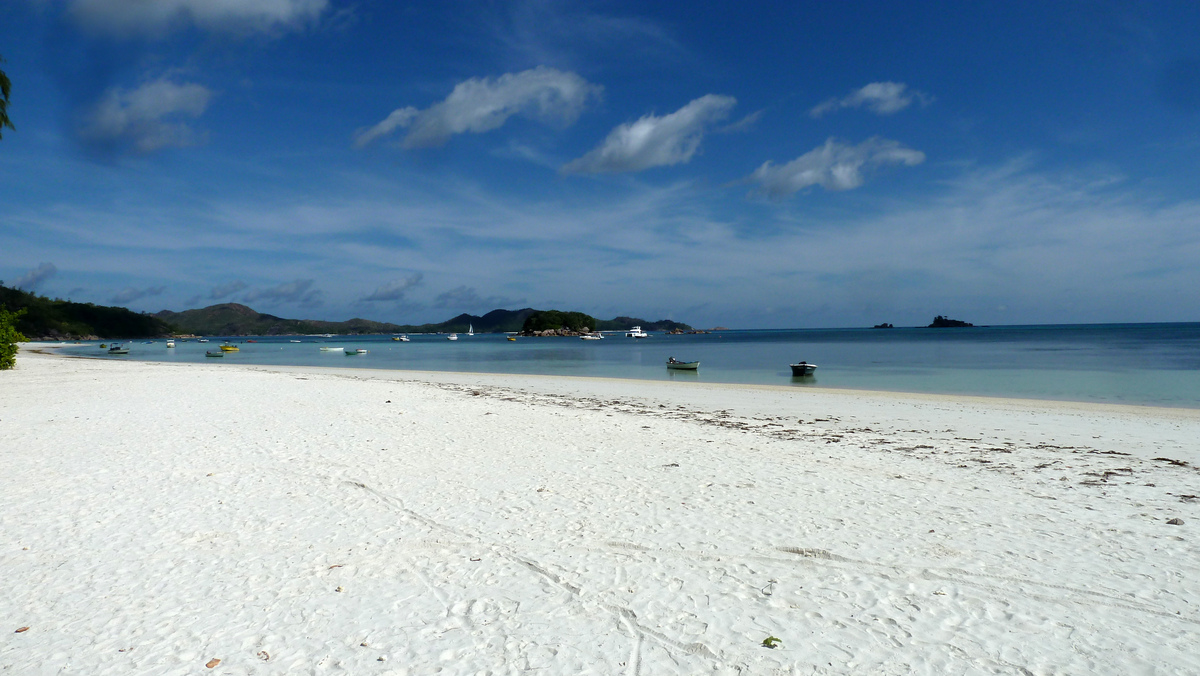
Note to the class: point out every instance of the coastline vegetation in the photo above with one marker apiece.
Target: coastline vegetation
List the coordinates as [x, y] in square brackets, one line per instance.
[9, 337]
[56, 319]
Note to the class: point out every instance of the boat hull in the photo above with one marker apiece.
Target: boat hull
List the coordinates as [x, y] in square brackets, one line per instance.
[683, 365]
[803, 369]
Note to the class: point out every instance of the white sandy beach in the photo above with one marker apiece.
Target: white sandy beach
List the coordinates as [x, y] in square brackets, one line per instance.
[156, 517]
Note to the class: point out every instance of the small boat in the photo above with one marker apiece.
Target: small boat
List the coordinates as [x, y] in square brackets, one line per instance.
[470, 329]
[327, 348]
[170, 343]
[118, 349]
[676, 365]
[103, 346]
[293, 341]
[803, 369]
[148, 342]
[636, 332]
[404, 339]
[214, 353]
[513, 338]
[452, 336]
[230, 348]
[352, 352]
[202, 340]
[591, 336]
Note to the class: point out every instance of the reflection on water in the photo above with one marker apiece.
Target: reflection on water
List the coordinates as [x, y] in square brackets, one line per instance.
[1147, 364]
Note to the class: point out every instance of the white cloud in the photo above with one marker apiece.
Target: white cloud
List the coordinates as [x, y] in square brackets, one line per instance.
[395, 290]
[655, 141]
[483, 104]
[146, 118]
[833, 166]
[467, 298]
[883, 98]
[226, 289]
[130, 294]
[299, 291]
[36, 276]
[157, 18]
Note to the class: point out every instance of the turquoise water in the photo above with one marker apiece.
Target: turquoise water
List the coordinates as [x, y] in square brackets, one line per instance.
[1152, 364]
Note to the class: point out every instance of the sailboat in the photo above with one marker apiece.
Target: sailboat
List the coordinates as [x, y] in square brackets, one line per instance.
[470, 329]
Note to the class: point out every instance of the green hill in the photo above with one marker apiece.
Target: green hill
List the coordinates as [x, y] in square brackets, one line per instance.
[57, 319]
[234, 319]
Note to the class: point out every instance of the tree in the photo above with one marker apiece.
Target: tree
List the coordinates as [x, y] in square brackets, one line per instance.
[5, 89]
[9, 337]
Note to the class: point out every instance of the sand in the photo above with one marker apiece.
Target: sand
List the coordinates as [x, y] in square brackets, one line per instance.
[155, 518]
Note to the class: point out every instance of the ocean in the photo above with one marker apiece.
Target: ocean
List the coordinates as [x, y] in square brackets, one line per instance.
[1145, 364]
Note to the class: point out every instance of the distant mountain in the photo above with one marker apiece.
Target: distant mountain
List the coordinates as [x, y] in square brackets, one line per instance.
[624, 323]
[234, 319]
[57, 319]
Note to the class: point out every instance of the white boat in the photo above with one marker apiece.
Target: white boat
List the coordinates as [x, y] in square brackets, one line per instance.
[591, 336]
[327, 348]
[452, 336]
[202, 340]
[803, 369]
[636, 332]
[403, 339]
[170, 343]
[293, 341]
[118, 349]
[470, 329]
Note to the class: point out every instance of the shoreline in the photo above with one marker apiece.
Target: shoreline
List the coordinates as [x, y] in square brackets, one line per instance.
[156, 516]
[848, 391]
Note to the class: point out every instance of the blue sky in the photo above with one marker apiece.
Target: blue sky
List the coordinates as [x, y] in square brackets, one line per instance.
[751, 165]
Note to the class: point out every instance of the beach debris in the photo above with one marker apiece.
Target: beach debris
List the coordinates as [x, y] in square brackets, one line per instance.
[1177, 463]
[336, 565]
[381, 658]
[770, 588]
[212, 663]
[264, 655]
[771, 642]
[339, 589]
[364, 644]
[1175, 522]
[21, 630]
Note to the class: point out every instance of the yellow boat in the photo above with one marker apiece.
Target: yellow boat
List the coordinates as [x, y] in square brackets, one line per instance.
[229, 348]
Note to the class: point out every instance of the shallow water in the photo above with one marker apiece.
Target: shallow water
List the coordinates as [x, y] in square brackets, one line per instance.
[1153, 364]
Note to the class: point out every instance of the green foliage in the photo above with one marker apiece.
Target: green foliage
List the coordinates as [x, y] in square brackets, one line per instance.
[44, 317]
[555, 319]
[5, 90]
[626, 323]
[771, 642]
[9, 337]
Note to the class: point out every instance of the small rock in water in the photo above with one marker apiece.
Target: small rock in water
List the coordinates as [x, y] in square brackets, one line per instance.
[1175, 522]
[212, 663]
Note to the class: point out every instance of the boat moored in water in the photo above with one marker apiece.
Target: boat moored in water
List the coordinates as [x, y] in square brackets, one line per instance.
[803, 369]
[118, 349]
[676, 365]
[214, 353]
[636, 332]
[328, 348]
[355, 351]
[452, 336]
